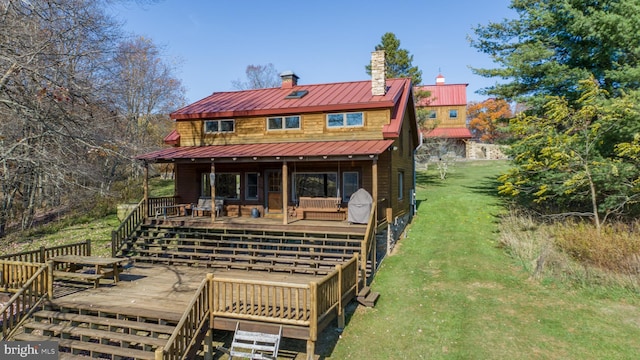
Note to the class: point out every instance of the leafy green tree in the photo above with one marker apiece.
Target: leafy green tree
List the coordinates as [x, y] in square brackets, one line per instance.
[398, 62]
[552, 44]
[562, 163]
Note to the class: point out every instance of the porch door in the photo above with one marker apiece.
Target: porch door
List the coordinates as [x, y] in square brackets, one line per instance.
[274, 190]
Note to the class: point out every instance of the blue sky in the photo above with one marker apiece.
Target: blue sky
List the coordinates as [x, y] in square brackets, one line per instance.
[321, 41]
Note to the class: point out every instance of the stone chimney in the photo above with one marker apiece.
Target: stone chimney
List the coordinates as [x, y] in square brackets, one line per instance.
[440, 79]
[378, 75]
[289, 79]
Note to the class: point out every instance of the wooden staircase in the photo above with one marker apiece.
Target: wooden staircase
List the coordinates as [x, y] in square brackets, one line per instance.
[367, 297]
[87, 333]
[274, 251]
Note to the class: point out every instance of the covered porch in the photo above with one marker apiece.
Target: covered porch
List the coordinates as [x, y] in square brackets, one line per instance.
[285, 182]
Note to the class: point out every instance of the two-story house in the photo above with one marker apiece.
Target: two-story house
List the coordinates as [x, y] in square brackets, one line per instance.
[263, 150]
[447, 112]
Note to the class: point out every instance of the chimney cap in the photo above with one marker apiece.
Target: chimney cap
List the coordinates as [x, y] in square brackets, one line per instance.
[288, 73]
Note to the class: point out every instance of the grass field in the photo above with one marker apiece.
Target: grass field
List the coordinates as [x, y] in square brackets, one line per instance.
[449, 292]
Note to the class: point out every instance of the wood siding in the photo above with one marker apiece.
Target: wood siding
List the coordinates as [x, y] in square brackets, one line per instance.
[312, 128]
[442, 116]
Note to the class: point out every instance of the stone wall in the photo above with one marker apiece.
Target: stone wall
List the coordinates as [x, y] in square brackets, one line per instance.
[478, 151]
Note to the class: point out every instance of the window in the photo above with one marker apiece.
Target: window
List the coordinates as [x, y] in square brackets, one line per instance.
[315, 184]
[400, 185]
[251, 191]
[227, 185]
[350, 184]
[283, 123]
[453, 114]
[219, 126]
[345, 120]
[432, 114]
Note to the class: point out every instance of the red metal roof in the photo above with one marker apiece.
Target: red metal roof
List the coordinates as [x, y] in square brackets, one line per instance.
[449, 133]
[319, 148]
[444, 95]
[173, 138]
[342, 96]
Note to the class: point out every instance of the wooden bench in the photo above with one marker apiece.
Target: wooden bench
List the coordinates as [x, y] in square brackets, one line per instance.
[321, 208]
[79, 276]
[253, 345]
[204, 204]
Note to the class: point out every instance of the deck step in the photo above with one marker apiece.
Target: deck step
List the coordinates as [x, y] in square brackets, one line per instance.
[100, 336]
[91, 349]
[367, 297]
[100, 321]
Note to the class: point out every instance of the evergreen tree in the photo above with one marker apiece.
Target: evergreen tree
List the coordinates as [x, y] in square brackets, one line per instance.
[553, 44]
[398, 62]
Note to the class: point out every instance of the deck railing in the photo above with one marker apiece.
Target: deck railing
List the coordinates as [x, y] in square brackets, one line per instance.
[368, 244]
[31, 284]
[255, 300]
[193, 320]
[43, 254]
[127, 228]
[156, 203]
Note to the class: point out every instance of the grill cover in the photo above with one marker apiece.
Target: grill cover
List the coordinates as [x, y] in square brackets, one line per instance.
[359, 207]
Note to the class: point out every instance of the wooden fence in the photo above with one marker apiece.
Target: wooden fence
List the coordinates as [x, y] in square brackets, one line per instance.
[303, 305]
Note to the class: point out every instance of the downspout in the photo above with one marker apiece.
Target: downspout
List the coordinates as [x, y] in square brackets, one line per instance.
[414, 207]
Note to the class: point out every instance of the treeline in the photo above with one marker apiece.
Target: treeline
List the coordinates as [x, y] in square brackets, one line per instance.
[78, 100]
[573, 66]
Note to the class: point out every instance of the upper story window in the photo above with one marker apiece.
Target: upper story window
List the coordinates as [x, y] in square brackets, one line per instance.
[283, 123]
[219, 126]
[345, 120]
[453, 114]
[432, 114]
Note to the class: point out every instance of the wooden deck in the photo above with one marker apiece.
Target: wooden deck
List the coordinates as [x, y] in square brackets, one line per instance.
[157, 289]
[262, 223]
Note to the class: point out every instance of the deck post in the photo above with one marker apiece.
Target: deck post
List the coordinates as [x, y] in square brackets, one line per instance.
[50, 279]
[374, 187]
[208, 355]
[341, 318]
[145, 190]
[311, 349]
[212, 178]
[285, 193]
[159, 355]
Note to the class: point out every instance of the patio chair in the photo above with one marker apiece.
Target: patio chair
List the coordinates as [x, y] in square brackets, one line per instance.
[253, 345]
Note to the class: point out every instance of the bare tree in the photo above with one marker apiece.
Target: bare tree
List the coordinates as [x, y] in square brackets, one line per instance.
[258, 77]
[60, 129]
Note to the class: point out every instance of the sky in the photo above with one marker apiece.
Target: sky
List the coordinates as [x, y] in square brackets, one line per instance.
[212, 42]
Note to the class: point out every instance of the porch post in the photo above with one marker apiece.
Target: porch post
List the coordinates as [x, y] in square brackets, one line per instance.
[145, 190]
[285, 193]
[374, 190]
[212, 178]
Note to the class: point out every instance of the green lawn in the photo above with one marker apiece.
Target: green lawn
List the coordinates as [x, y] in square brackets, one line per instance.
[448, 291]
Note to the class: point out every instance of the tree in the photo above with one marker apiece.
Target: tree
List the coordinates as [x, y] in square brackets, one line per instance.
[398, 62]
[489, 119]
[143, 85]
[554, 44]
[258, 77]
[52, 107]
[562, 162]
[62, 138]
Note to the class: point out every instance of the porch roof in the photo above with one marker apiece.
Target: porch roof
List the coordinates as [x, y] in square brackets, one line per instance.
[271, 151]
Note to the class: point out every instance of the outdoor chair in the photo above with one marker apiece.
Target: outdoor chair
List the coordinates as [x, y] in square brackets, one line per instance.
[253, 345]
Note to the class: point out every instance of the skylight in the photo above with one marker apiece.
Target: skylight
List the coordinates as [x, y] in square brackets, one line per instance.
[297, 94]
